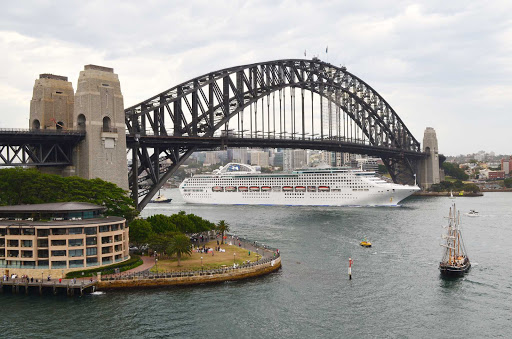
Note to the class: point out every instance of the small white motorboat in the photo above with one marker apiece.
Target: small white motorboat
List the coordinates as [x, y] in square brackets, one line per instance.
[472, 213]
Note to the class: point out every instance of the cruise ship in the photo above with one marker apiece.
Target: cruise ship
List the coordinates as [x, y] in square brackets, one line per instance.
[240, 184]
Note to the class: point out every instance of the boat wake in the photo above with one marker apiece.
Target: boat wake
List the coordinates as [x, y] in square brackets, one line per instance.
[97, 293]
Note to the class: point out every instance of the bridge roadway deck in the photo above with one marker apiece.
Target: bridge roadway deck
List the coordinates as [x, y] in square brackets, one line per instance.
[316, 144]
[23, 136]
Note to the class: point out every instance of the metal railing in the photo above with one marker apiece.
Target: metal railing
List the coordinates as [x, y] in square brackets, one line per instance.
[202, 272]
[185, 273]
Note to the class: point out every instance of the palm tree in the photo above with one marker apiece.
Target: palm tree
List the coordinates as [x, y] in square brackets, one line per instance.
[223, 226]
[180, 244]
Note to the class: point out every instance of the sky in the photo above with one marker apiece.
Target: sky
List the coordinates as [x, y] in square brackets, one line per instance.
[441, 64]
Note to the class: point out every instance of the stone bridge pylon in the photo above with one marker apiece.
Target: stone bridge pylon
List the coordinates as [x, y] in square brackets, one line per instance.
[97, 108]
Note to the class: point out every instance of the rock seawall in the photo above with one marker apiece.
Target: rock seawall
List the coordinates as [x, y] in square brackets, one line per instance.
[192, 278]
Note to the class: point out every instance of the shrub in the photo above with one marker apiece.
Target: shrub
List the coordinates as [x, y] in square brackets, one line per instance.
[133, 262]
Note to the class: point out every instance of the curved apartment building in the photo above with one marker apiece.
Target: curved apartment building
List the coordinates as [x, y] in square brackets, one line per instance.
[65, 236]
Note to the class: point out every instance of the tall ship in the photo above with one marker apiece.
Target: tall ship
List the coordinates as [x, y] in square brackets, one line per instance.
[240, 184]
[455, 262]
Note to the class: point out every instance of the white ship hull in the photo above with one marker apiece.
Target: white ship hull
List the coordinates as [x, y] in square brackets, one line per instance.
[312, 187]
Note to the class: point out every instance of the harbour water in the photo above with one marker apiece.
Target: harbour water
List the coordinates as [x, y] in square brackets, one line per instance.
[396, 290]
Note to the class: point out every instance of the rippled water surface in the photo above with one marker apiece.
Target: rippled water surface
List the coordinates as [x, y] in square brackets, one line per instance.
[396, 290]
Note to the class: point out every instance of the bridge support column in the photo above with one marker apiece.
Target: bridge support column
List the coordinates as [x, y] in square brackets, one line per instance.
[99, 109]
[51, 108]
[429, 167]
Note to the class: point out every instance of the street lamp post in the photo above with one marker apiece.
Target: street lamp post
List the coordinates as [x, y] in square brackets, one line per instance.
[234, 256]
[201, 264]
[156, 265]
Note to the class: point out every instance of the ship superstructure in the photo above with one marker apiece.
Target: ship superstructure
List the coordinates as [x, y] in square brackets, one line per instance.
[242, 184]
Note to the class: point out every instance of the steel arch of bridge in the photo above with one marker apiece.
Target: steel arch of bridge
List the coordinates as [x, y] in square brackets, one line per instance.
[166, 129]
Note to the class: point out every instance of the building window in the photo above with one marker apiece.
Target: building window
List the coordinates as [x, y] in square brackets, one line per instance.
[104, 228]
[91, 230]
[76, 253]
[42, 242]
[92, 261]
[91, 241]
[58, 231]
[92, 251]
[26, 243]
[12, 243]
[58, 242]
[14, 231]
[81, 122]
[58, 253]
[42, 253]
[76, 263]
[43, 233]
[75, 242]
[29, 231]
[42, 264]
[106, 124]
[75, 230]
[58, 264]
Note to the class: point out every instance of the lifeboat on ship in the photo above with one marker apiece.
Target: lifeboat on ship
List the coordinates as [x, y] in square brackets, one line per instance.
[230, 189]
[218, 189]
[254, 188]
[242, 189]
[300, 189]
[265, 188]
[324, 188]
[287, 188]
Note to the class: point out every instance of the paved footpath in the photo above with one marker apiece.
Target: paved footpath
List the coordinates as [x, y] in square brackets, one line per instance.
[148, 262]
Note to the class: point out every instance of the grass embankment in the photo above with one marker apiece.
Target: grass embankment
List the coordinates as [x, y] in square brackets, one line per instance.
[133, 262]
[217, 260]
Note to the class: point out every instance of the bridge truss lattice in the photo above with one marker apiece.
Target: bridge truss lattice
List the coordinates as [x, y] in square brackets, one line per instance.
[269, 104]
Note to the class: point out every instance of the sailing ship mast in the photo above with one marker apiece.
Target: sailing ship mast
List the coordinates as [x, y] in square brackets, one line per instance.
[455, 258]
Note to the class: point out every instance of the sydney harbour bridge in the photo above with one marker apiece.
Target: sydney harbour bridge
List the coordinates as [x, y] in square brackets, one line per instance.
[293, 103]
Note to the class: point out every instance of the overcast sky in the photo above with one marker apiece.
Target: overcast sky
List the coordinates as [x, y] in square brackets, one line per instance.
[442, 64]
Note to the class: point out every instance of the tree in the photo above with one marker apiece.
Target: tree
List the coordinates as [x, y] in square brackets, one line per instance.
[180, 244]
[161, 223]
[29, 186]
[160, 242]
[471, 188]
[223, 227]
[508, 182]
[200, 224]
[183, 223]
[454, 171]
[140, 232]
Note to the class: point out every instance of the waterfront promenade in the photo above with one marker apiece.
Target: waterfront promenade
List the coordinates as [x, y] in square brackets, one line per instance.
[142, 277]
